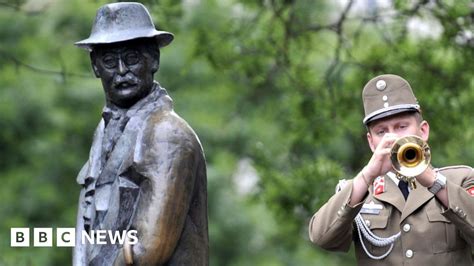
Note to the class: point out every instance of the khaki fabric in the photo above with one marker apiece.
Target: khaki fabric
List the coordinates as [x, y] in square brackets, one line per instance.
[436, 235]
[387, 95]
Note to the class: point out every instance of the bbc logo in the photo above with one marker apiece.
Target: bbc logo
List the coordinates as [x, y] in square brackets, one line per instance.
[65, 237]
[42, 237]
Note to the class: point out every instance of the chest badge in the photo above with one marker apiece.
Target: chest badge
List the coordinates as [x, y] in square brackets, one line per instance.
[371, 208]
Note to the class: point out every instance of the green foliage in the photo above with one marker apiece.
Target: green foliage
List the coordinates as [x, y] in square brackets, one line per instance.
[277, 83]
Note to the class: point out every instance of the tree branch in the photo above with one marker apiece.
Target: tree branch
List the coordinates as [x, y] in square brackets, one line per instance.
[20, 63]
[339, 30]
[16, 6]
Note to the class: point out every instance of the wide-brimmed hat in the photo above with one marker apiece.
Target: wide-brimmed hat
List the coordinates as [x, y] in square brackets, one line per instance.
[124, 21]
[387, 95]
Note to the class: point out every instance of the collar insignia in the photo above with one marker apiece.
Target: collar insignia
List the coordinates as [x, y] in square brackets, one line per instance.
[379, 185]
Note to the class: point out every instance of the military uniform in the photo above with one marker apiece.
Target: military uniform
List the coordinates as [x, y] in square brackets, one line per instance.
[430, 233]
[415, 231]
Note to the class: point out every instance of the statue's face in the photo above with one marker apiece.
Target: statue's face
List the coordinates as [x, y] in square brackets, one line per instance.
[126, 70]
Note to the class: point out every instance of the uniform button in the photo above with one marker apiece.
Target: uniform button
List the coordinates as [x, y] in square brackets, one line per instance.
[385, 105]
[384, 98]
[456, 209]
[406, 228]
[339, 213]
[367, 222]
[409, 253]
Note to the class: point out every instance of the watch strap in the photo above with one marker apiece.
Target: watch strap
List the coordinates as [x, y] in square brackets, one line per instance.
[440, 183]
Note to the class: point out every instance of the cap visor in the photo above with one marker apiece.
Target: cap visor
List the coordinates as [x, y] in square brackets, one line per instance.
[390, 113]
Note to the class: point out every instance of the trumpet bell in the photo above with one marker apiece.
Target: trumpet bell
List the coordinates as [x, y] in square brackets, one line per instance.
[410, 156]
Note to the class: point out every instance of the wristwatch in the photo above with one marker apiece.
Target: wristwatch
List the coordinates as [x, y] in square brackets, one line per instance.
[439, 183]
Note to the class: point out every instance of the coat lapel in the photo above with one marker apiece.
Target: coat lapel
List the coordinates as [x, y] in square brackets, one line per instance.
[392, 194]
[121, 154]
[93, 165]
[416, 199]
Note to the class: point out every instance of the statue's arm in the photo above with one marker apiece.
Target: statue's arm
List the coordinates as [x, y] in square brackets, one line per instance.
[167, 160]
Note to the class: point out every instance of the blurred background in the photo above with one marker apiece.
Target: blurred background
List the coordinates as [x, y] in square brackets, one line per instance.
[271, 87]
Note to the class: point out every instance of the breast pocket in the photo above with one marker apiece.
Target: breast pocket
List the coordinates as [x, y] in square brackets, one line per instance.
[378, 225]
[377, 222]
[443, 234]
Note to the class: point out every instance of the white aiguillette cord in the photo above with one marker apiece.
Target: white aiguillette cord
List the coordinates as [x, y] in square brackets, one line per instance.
[364, 230]
[374, 239]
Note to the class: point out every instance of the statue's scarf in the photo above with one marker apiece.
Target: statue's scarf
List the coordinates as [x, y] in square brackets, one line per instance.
[110, 195]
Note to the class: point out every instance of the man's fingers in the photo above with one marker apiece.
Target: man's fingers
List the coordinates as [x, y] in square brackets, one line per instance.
[385, 151]
[387, 141]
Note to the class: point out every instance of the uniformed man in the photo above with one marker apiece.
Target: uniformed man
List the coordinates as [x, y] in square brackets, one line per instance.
[389, 222]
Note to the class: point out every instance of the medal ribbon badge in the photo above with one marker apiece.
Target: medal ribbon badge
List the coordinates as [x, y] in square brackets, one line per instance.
[371, 208]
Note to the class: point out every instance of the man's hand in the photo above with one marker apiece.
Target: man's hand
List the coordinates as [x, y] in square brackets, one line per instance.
[380, 162]
[378, 165]
[427, 178]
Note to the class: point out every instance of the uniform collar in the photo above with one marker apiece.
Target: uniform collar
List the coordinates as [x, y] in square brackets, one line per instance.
[393, 196]
[395, 180]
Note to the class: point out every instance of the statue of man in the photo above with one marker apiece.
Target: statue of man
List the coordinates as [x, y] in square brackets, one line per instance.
[146, 169]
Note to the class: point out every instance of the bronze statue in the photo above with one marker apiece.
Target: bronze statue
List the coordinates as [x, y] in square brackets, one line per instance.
[146, 169]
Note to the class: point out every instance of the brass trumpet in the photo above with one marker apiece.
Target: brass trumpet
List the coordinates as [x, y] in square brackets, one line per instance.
[410, 156]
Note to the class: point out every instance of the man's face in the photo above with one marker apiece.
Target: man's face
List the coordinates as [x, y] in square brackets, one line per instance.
[403, 124]
[126, 70]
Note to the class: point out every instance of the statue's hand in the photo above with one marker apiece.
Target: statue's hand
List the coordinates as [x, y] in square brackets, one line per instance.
[128, 252]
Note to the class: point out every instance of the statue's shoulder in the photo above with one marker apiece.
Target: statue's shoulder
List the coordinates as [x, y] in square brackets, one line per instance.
[165, 125]
[165, 132]
[167, 121]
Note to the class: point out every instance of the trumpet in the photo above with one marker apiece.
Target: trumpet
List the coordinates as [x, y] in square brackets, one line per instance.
[410, 156]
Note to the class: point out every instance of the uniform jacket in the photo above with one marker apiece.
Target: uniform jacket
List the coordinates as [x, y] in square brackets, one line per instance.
[149, 177]
[430, 233]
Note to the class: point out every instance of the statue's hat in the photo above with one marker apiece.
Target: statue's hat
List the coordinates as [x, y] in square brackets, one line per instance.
[123, 21]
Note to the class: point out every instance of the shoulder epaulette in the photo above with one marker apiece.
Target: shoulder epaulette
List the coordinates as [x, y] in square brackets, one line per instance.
[456, 167]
